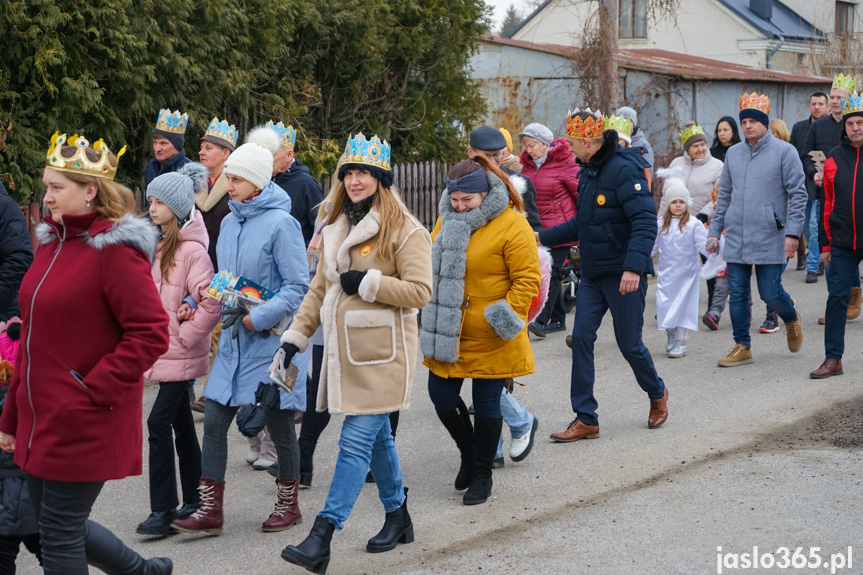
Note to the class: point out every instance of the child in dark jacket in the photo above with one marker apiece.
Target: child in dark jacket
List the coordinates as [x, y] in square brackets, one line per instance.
[17, 517]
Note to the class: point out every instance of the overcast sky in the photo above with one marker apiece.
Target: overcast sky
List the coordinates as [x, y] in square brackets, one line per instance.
[500, 7]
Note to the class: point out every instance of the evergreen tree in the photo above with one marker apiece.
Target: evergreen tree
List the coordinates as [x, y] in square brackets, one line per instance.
[510, 21]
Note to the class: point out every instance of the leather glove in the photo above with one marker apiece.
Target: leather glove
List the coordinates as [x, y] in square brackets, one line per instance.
[290, 351]
[701, 218]
[351, 281]
[13, 330]
[233, 317]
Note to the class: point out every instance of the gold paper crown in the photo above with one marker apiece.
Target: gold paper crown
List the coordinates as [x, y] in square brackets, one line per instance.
[79, 163]
[372, 152]
[755, 102]
[844, 82]
[590, 128]
[853, 104]
[690, 131]
[172, 122]
[620, 124]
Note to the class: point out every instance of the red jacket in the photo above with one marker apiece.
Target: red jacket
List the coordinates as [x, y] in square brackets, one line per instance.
[842, 212]
[556, 183]
[92, 324]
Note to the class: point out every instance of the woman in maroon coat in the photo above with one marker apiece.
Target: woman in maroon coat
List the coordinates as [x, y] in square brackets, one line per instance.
[551, 167]
[92, 324]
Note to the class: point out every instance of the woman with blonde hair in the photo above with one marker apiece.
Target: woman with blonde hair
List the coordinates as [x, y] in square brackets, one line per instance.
[373, 275]
[92, 324]
[780, 130]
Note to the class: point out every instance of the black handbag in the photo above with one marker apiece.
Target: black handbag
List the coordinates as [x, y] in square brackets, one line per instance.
[251, 419]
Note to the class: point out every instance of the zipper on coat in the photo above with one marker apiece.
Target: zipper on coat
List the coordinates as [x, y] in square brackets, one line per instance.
[853, 201]
[464, 307]
[30, 334]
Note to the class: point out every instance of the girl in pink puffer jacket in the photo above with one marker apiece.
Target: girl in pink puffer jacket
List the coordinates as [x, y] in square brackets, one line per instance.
[182, 270]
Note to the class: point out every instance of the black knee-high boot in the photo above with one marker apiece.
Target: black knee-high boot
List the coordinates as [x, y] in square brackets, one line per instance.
[457, 422]
[486, 433]
[106, 552]
[307, 456]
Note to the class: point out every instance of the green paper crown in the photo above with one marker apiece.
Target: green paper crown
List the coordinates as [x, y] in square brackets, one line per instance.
[690, 131]
[619, 124]
[844, 82]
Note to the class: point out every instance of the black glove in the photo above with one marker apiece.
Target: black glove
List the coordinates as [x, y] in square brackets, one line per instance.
[351, 281]
[701, 218]
[290, 351]
[13, 330]
[233, 317]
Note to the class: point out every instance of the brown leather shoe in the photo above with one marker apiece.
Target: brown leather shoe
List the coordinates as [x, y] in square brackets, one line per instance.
[794, 334]
[855, 302]
[199, 405]
[658, 411]
[822, 320]
[576, 430]
[828, 368]
[811, 278]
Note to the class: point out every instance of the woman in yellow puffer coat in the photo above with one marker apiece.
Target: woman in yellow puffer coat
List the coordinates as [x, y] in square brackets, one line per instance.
[485, 270]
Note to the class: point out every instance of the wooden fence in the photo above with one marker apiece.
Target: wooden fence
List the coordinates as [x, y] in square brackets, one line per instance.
[420, 185]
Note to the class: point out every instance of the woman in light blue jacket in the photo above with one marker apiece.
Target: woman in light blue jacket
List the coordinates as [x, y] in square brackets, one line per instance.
[260, 241]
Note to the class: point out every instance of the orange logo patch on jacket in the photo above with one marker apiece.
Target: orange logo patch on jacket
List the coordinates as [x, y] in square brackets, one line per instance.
[366, 250]
[600, 199]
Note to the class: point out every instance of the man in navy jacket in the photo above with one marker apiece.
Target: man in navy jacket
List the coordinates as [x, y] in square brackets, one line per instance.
[16, 254]
[616, 225]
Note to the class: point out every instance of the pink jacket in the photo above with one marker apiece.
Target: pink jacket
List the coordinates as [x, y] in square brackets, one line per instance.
[556, 183]
[188, 354]
[8, 348]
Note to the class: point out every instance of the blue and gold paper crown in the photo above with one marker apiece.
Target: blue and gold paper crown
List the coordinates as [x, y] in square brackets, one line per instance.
[287, 134]
[172, 122]
[221, 133]
[372, 152]
[79, 163]
[853, 104]
[844, 82]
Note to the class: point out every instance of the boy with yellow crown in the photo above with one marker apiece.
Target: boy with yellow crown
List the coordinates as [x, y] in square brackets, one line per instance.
[760, 206]
[169, 141]
[824, 135]
[616, 225]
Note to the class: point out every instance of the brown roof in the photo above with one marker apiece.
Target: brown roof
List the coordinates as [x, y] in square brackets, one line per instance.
[674, 64]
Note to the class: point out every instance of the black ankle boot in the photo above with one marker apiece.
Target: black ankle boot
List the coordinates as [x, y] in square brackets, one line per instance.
[397, 528]
[457, 422]
[486, 434]
[106, 552]
[314, 552]
[307, 454]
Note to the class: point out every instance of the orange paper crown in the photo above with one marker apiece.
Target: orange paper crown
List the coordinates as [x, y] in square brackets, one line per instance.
[755, 102]
[591, 128]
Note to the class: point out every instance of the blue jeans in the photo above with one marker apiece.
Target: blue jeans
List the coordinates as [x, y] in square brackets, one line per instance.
[840, 277]
[516, 416]
[597, 295]
[366, 443]
[810, 229]
[769, 278]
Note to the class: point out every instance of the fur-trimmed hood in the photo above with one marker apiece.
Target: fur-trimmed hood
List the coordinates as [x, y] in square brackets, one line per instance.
[98, 233]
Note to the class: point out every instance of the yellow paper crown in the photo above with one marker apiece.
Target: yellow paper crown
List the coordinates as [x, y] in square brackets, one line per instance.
[755, 102]
[79, 163]
[591, 128]
[844, 82]
[690, 131]
[172, 122]
[620, 124]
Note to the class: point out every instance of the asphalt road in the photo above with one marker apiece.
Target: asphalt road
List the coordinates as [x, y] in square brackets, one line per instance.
[757, 455]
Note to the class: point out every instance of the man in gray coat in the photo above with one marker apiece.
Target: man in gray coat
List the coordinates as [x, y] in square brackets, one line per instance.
[760, 206]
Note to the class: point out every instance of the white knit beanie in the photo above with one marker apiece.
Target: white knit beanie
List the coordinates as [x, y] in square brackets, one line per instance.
[253, 161]
[675, 189]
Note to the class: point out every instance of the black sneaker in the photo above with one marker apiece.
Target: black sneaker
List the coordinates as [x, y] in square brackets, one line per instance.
[771, 323]
[536, 329]
[158, 523]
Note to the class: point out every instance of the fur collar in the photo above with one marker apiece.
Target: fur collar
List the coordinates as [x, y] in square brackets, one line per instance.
[609, 146]
[494, 204]
[206, 201]
[129, 230]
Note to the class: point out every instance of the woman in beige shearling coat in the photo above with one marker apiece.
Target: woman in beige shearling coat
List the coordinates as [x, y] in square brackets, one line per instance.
[374, 274]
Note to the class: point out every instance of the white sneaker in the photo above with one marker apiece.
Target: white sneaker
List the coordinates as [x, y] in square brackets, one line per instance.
[520, 447]
[252, 456]
[262, 463]
[672, 339]
[679, 349]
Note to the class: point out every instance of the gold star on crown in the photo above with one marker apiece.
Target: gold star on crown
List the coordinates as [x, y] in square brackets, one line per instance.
[79, 163]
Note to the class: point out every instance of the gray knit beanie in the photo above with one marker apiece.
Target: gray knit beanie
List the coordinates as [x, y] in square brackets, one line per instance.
[177, 189]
